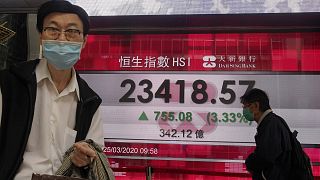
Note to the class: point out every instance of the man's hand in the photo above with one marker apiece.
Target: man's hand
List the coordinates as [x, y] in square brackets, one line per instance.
[82, 155]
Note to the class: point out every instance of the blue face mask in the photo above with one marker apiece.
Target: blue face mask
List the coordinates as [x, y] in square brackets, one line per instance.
[61, 54]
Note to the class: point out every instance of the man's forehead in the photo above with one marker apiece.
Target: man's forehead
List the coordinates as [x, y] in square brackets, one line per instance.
[63, 19]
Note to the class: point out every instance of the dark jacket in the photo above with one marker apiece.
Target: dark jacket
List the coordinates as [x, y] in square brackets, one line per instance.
[273, 150]
[18, 88]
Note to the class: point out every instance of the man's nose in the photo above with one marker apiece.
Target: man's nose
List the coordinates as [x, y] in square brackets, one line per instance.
[62, 36]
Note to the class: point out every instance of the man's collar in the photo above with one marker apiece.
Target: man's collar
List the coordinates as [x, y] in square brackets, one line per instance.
[264, 115]
[42, 72]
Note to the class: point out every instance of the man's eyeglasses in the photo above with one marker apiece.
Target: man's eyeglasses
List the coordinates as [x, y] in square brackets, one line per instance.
[54, 33]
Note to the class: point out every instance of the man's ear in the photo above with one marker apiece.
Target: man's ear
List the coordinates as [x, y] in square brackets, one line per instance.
[40, 46]
[257, 106]
[84, 41]
[40, 38]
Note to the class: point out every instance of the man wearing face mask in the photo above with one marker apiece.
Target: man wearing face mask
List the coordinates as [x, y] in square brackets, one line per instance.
[46, 106]
[271, 158]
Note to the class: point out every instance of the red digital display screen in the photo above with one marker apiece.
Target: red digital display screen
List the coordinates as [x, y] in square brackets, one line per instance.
[148, 54]
[274, 52]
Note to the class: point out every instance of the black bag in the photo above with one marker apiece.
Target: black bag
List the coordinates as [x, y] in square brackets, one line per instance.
[300, 161]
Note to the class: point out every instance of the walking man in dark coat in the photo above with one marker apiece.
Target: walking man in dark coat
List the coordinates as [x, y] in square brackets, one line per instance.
[271, 158]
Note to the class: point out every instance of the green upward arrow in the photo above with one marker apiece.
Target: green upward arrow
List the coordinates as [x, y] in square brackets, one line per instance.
[143, 117]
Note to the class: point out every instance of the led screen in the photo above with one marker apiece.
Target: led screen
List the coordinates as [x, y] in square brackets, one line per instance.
[171, 101]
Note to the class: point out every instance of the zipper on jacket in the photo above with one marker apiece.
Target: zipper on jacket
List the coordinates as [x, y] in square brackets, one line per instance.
[29, 126]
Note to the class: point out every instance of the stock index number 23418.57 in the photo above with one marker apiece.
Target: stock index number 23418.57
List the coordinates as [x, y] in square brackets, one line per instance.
[199, 93]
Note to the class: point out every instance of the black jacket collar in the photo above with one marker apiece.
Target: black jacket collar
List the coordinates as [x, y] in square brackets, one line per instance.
[26, 72]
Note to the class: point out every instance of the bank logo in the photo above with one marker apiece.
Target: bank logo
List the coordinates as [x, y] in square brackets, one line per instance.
[227, 62]
[209, 61]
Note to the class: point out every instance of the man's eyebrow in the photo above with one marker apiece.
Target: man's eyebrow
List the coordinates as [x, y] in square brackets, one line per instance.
[68, 25]
[52, 23]
[73, 25]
